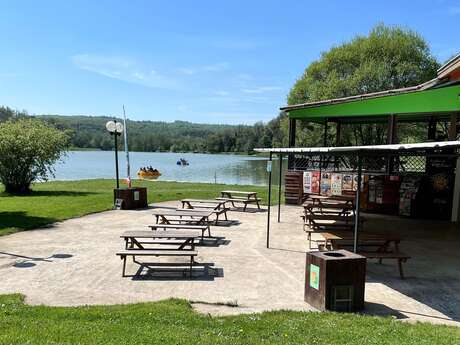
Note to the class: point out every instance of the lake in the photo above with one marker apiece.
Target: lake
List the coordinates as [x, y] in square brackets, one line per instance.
[211, 168]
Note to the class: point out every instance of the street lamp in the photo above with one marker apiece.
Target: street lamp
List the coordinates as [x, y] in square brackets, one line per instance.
[115, 128]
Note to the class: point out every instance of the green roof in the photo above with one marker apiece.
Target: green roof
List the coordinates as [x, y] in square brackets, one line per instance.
[409, 104]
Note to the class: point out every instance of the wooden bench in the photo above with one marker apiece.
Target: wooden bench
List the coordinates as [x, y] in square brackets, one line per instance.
[400, 257]
[242, 200]
[202, 228]
[215, 211]
[143, 252]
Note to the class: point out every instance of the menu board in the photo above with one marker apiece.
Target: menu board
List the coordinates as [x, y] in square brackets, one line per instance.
[315, 178]
[326, 183]
[307, 182]
[336, 184]
[347, 182]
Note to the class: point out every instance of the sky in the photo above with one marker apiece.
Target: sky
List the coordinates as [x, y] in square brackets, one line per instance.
[201, 61]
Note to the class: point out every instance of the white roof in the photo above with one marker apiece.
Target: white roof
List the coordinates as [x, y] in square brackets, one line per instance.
[388, 148]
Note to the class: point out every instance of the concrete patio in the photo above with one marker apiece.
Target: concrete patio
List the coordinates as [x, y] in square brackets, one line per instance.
[74, 263]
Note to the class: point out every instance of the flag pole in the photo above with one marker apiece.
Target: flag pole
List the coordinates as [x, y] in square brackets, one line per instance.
[125, 132]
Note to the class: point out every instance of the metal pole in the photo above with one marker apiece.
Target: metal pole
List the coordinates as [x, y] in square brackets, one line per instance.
[116, 158]
[269, 200]
[357, 205]
[279, 187]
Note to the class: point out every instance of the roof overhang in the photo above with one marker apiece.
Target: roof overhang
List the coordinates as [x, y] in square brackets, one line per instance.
[428, 147]
[410, 105]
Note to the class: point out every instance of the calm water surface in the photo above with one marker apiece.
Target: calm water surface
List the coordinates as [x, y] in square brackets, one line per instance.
[220, 168]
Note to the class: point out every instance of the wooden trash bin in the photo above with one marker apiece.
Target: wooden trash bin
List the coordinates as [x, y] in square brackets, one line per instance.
[130, 198]
[335, 280]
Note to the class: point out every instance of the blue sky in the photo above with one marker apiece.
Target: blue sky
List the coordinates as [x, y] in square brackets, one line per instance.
[201, 61]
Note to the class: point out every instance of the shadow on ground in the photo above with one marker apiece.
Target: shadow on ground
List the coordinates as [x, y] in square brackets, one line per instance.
[21, 220]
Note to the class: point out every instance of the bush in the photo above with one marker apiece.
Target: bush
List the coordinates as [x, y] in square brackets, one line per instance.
[28, 150]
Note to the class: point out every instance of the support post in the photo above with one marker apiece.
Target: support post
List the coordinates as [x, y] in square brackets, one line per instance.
[432, 128]
[279, 186]
[291, 141]
[325, 133]
[115, 134]
[453, 127]
[357, 205]
[269, 199]
[391, 139]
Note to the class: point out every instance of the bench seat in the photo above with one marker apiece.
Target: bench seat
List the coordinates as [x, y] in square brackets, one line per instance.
[243, 200]
[202, 228]
[147, 252]
[400, 257]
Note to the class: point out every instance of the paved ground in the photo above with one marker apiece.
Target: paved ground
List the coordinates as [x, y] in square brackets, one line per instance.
[74, 263]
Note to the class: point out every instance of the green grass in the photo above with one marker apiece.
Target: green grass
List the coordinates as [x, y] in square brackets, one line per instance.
[174, 322]
[55, 201]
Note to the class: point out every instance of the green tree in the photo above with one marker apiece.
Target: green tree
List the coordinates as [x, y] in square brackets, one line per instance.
[28, 150]
[388, 58]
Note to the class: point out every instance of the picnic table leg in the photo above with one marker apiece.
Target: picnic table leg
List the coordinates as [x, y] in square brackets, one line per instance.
[257, 202]
[123, 272]
[400, 261]
[191, 266]
[225, 214]
[245, 205]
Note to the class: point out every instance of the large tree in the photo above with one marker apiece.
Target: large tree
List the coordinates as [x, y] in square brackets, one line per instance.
[28, 150]
[388, 58]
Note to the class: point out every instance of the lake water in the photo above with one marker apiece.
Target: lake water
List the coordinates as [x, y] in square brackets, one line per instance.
[220, 168]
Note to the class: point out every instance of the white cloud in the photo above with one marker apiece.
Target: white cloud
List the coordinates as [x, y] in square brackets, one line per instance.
[261, 89]
[222, 93]
[187, 71]
[454, 10]
[124, 69]
[217, 67]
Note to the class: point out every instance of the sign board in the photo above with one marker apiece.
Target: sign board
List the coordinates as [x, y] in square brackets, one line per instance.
[136, 195]
[326, 183]
[314, 276]
[315, 178]
[336, 184]
[307, 188]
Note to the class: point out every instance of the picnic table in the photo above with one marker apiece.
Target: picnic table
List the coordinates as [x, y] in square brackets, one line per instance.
[170, 216]
[237, 196]
[217, 206]
[332, 199]
[367, 240]
[328, 208]
[183, 245]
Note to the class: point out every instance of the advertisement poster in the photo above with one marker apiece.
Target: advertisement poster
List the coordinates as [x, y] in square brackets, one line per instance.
[336, 184]
[315, 178]
[347, 182]
[307, 182]
[314, 276]
[325, 184]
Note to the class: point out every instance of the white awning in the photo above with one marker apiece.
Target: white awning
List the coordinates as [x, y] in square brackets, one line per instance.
[429, 146]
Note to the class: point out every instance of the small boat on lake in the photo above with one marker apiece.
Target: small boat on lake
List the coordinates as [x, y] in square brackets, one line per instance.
[148, 173]
[182, 162]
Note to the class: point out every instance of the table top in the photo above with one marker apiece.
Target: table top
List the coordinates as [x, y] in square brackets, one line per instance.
[204, 201]
[332, 197]
[160, 234]
[183, 212]
[238, 192]
[363, 236]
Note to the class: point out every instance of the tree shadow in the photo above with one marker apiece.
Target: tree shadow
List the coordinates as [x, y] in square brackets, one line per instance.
[21, 220]
[54, 193]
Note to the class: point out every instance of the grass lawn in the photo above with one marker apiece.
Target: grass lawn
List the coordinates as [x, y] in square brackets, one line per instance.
[174, 322]
[59, 200]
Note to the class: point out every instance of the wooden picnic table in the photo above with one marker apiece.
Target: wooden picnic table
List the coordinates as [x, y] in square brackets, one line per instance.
[329, 208]
[339, 238]
[134, 239]
[203, 203]
[337, 199]
[239, 196]
[169, 216]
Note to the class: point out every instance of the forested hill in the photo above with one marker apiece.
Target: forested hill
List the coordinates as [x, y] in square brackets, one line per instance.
[177, 136]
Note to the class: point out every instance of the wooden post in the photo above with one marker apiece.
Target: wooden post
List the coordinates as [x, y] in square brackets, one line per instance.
[432, 128]
[392, 129]
[338, 132]
[453, 127]
[325, 134]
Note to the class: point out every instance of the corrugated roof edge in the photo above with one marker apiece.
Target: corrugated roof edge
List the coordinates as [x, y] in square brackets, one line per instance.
[390, 147]
[429, 84]
[449, 63]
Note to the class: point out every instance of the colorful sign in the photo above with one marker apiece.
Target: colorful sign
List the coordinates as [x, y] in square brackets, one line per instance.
[315, 178]
[307, 182]
[347, 182]
[314, 276]
[326, 184]
[336, 184]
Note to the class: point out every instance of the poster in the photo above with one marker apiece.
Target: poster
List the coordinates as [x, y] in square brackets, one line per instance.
[336, 184]
[315, 178]
[347, 182]
[326, 184]
[314, 276]
[307, 182]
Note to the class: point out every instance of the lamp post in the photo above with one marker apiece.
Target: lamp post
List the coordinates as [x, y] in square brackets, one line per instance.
[115, 128]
